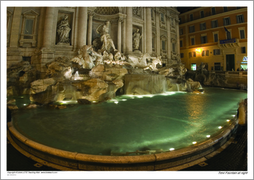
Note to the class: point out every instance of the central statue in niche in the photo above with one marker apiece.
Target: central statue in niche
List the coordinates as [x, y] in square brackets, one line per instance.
[107, 42]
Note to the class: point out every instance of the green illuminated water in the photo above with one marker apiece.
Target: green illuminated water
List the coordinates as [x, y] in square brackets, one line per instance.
[131, 123]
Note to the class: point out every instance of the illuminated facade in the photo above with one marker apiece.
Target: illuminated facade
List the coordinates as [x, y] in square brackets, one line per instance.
[215, 36]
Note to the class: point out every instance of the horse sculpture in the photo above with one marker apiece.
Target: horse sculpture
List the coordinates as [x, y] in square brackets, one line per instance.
[153, 64]
[138, 62]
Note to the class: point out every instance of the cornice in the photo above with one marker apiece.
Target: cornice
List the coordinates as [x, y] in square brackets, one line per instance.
[214, 16]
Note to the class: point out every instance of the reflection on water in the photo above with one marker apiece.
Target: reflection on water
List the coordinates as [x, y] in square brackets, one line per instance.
[166, 121]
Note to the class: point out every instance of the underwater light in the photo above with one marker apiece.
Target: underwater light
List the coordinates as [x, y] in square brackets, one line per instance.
[208, 136]
[140, 96]
[219, 127]
[124, 99]
[116, 102]
[172, 149]
[194, 142]
[228, 120]
[233, 115]
[24, 104]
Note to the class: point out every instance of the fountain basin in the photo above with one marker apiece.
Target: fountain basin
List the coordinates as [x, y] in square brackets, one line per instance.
[166, 136]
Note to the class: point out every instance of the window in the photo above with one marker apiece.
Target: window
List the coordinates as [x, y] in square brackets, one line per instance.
[192, 41]
[191, 17]
[203, 39]
[243, 50]
[181, 32]
[202, 14]
[28, 31]
[193, 66]
[182, 55]
[194, 54]
[190, 54]
[181, 43]
[217, 66]
[242, 34]
[203, 53]
[202, 26]
[213, 11]
[215, 37]
[214, 23]
[216, 52]
[225, 9]
[239, 18]
[180, 20]
[207, 52]
[192, 29]
[226, 21]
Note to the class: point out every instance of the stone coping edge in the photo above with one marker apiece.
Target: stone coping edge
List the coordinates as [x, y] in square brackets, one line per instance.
[123, 159]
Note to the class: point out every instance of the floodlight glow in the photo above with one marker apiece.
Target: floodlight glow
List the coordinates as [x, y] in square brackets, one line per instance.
[172, 149]
[124, 99]
[233, 115]
[116, 102]
[208, 136]
[228, 120]
[194, 142]
[140, 96]
[219, 127]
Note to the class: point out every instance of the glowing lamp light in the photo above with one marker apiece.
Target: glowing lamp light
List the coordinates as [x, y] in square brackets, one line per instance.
[116, 102]
[24, 104]
[208, 136]
[233, 115]
[199, 50]
[124, 99]
[194, 142]
[172, 149]
[219, 127]
[228, 120]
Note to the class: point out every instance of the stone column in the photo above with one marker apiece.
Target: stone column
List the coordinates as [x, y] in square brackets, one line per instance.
[129, 30]
[48, 27]
[124, 36]
[119, 35]
[90, 27]
[177, 37]
[14, 35]
[149, 35]
[158, 41]
[169, 38]
[82, 26]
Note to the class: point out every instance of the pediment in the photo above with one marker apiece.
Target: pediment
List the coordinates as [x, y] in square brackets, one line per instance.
[30, 13]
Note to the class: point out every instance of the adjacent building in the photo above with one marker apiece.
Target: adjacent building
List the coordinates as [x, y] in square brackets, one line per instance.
[214, 36]
[41, 34]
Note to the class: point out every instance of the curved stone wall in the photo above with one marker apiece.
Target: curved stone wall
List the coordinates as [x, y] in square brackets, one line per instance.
[65, 160]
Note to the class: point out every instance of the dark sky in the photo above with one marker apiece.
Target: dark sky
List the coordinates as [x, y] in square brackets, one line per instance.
[185, 9]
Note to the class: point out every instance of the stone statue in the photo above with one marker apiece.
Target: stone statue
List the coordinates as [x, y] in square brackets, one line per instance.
[63, 30]
[136, 39]
[107, 42]
[153, 64]
[86, 57]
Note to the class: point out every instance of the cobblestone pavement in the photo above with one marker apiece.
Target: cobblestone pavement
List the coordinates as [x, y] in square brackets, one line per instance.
[233, 158]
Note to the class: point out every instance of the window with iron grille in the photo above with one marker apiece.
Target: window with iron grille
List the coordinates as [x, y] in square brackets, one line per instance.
[181, 31]
[226, 21]
[202, 14]
[190, 54]
[213, 11]
[203, 39]
[214, 23]
[242, 34]
[191, 17]
[182, 55]
[225, 9]
[202, 26]
[216, 52]
[194, 54]
[243, 50]
[215, 36]
[203, 53]
[239, 18]
[192, 29]
[207, 52]
[192, 41]
[181, 43]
